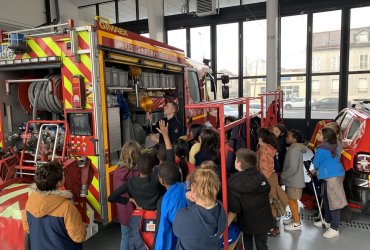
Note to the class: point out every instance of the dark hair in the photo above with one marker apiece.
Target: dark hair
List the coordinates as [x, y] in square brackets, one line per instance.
[145, 163]
[162, 153]
[297, 135]
[247, 158]
[282, 128]
[210, 141]
[48, 175]
[169, 172]
[267, 137]
[329, 135]
[196, 130]
[181, 149]
[229, 118]
[175, 105]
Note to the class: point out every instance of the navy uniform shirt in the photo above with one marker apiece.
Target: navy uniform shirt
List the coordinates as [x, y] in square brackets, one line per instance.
[174, 130]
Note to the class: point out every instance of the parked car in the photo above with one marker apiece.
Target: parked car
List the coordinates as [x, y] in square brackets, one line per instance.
[232, 110]
[355, 125]
[326, 104]
[295, 103]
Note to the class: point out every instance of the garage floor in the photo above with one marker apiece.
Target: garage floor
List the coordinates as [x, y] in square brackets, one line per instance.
[353, 235]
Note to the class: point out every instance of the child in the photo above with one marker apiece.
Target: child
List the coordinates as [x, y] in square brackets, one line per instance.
[209, 147]
[201, 225]
[293, 176]
[248, 192]
[50, 217]
[126, 169]
[279, 130]
[195, 131]
[173, 200]
[266, 163]
[144, 189]
[331, 171]
[181, 155]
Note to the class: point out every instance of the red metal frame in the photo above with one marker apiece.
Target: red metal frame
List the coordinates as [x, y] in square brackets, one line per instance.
[26, 132]
[219, 104]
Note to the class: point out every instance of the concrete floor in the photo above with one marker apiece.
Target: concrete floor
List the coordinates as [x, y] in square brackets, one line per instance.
[353, 236]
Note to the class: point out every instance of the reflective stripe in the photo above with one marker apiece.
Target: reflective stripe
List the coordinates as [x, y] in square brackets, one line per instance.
[85, 36]
[67, 104]
[67, 85]
[347, 155]
[36, 48]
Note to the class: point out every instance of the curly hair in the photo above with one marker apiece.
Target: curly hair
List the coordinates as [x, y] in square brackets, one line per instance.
[267, 137]
[129, 153]
[48, 175]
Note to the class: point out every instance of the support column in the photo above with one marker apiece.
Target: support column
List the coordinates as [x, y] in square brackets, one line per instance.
[272, 44]
[156, 19]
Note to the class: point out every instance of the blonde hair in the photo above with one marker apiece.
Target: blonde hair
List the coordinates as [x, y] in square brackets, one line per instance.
[208, 165]
[129, 153]
[206, 184]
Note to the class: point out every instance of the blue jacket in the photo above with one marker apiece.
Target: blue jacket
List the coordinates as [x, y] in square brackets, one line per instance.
[199, 228]
[326, 165]
[172, 201]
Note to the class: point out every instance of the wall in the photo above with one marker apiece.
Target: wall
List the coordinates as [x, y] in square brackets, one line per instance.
[20, 14]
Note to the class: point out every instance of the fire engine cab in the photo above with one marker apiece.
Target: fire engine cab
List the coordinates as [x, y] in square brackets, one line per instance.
[75, 95]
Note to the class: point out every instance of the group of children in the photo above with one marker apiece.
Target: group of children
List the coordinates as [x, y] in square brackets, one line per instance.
[185, 192]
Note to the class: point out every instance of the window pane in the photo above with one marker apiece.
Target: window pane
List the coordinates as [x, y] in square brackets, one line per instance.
[200, 42]
[143, 9]
[228, 3]
[294, 88]
[194, 86]
[87, 15]
[359, 39]
[107, 10]
[325, 101]
[293, 44]
[126, 10]
[358, 88]
[173, 7]
[177, 38]
[253, 87]
[254, 33]
[227, 49]
[326, 41]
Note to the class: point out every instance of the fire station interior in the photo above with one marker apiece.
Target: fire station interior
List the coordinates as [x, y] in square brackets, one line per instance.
[314, 54]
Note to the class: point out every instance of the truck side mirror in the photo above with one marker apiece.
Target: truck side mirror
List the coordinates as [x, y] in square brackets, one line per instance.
[225, 92]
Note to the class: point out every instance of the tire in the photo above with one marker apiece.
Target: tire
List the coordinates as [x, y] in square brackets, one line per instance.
[288, 106]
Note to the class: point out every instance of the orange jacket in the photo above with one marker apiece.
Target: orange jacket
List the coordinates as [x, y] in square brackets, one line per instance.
[266, 154]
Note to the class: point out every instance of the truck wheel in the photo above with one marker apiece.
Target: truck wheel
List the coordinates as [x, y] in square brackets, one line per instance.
[346, 214]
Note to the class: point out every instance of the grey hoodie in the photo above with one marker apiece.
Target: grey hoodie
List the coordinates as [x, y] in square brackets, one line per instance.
[198, 228]
[293, 175]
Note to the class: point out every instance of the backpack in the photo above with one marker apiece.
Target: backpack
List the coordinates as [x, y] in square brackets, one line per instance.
[142, 230]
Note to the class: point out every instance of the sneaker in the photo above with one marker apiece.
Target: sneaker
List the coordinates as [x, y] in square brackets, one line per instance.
[322, 224]
[287, 221]
[331, 233]
[293, 227]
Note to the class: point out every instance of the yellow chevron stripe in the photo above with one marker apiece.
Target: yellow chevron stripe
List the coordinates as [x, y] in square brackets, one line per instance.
[94, 203]
[88, 106]
[1, 144]
[85, 59]
[67, 104]
[85, 36]
[66, 60]
[347, 155]
[53, 46]
[36, 48]
[26, 56]
[17, 185]
[94, 161]
[67, 85]
[95, 183]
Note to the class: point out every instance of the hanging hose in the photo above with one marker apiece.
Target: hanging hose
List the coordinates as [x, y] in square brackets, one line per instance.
[42, 99]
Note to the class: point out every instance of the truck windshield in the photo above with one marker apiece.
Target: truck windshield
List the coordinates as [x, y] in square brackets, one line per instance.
[194, 86]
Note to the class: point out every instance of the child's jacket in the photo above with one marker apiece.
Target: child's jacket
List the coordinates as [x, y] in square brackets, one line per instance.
[53, 221]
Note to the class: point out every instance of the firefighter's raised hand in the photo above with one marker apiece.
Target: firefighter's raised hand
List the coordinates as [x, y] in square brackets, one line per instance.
[163, 128]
